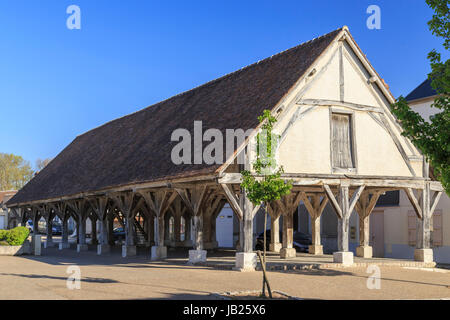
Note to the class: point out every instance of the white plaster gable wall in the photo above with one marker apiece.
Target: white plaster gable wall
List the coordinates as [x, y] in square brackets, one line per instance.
[376, 151]
[306, 148]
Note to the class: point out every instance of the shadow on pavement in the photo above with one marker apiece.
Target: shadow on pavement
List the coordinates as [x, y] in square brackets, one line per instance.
[37, 276]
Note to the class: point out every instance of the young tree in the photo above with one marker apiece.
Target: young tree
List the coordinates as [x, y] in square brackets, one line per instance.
[15, 172]
[433, 138]
[265, 185]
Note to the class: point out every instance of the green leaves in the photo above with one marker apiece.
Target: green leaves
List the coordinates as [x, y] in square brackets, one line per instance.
[267, 185]
[15, 172]
[433, 138]
[440, 22]
[14, 237]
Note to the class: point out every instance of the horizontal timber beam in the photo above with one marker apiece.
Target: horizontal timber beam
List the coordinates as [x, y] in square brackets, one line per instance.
[329, 103]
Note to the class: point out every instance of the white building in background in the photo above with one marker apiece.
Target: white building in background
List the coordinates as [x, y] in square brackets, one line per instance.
[393, 221]
[400, 244]
[5, 196]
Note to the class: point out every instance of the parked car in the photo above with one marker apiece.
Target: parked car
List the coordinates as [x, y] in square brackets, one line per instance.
[29, 225]
[118, 234]
[301, 241]
[260, 240]
[57, 229]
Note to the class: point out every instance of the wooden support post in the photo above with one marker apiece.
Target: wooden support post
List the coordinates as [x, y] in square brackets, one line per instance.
[198, 232]
[364, 208]
[36, 218]
[315, 209]
[187, 230]
[343, 208]
[160, 231]
[150, 230]
[124, 201]
[288, 231]
[94, 239]
[194, 199]
[49, 242]
[212, 206]
[65, 233]
[167, 239]
[82, 229]
[110, 218]
[245, 258]
[60, 210]
[177, 211]
[343, 223]
[423, 251]
[158, 202]
[287, 205]
[79, 207]
[130, 231]
[104, 232]
[247, 234]
[275, 244]
[240, 242]
[99, 207]
[177, 230]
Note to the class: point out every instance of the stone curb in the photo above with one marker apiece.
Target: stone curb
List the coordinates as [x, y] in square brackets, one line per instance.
[296, 267]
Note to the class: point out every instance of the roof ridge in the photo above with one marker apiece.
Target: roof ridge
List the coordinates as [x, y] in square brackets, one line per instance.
[210, 82]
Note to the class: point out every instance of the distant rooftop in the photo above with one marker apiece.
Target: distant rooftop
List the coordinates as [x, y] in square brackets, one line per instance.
[5, 196]
[424, 90]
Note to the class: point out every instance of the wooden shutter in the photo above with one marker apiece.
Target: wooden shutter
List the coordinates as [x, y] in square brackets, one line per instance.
[341, 141]
[412, 225]
[436, 235]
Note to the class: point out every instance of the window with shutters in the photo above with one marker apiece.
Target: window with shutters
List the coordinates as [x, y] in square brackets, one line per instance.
[436, 234]
[412, 228]
[342, 144]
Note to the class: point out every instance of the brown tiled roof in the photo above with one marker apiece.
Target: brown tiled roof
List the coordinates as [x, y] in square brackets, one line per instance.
[137, 148]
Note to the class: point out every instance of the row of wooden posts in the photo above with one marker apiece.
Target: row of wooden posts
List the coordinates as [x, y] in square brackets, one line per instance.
[147, 212]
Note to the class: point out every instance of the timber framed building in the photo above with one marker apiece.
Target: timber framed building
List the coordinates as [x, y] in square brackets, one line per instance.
[339, 144]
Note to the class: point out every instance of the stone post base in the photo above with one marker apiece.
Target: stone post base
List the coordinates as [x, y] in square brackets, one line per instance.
[344, 257]
[103, 248]
[158, 253]
[364, 252]
[36, 245]
[49, 244]
[423, 255]
[245, 261]
[82, 247]
[128, 251]
[286, 253]
[315, 249]
[196, 256]
[275, 247]
[64, 245]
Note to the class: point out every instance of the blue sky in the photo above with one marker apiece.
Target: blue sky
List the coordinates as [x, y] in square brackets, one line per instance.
[57, 83]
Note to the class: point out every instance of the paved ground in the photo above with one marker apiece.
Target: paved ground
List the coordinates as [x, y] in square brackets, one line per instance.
[113, 277]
